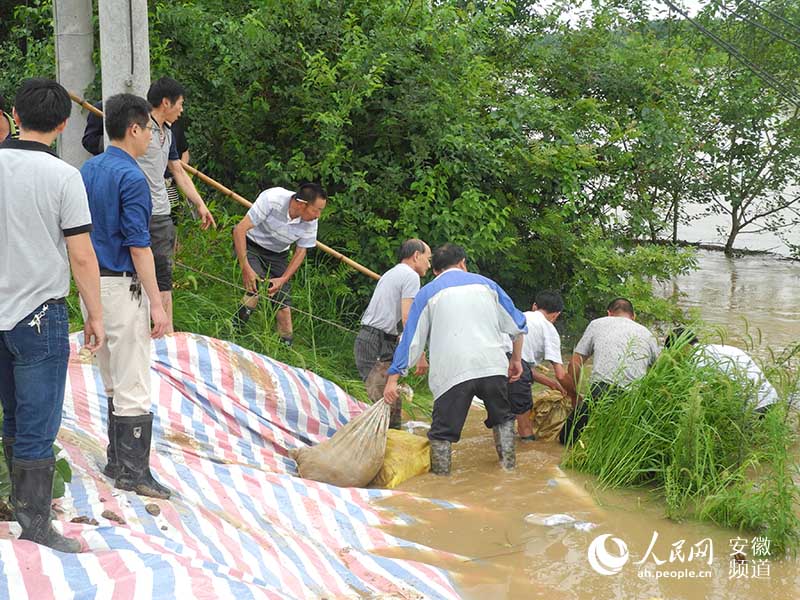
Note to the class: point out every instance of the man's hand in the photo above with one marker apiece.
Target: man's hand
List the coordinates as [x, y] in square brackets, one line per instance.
[390, 393]
[514, 370]
[205, 216]
[250, 279]
[422, 365]
[94, 334]
[275, 284]
[160, 321]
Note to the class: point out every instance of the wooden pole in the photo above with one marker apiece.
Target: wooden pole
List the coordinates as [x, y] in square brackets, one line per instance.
[240, 199]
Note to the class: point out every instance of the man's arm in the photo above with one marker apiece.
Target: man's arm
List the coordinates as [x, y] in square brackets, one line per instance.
[249, 276]
[146, 271]
[515, 364]
[276, 283]
[86, 273]
[187, 187]
[553, 384]
[422, 363]
[573, 377]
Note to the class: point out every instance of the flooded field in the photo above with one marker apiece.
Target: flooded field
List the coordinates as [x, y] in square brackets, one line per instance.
[528, 534]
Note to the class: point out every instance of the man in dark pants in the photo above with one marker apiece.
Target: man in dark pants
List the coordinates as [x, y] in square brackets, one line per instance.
[623, 350]
[377, 339]
[277, 219]
[465, 319]
[119, 200]
[44, 225]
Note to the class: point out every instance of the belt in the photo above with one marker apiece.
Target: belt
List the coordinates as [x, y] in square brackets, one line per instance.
[109, 273]
[389, 337]
[55, 301]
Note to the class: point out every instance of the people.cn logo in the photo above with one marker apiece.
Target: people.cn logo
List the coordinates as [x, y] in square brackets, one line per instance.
[602, 561]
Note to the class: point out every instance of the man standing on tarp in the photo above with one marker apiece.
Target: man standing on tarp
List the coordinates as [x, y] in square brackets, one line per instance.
[277, 219]
[119, 199]
[44, 228]
[465, 319]
[389, 306]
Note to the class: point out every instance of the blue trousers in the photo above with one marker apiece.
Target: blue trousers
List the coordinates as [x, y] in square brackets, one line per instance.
[33, 374]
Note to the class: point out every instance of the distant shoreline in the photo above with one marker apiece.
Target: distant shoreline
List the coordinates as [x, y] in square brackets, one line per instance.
[737, 252]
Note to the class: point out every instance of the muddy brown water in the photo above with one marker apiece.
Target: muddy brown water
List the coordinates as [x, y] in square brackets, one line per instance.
[497, 553]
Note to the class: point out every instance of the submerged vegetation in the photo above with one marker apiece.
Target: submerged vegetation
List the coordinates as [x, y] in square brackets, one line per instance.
[690, 432]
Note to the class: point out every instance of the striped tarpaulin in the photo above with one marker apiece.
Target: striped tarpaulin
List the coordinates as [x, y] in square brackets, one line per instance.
[241, 525]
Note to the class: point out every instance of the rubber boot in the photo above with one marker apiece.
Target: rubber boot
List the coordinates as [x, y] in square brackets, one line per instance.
[440, 457]
[33, 486]
[112, 468]
[396, 415]
[133, 437]
[241, 318]
[497, 446]
[504, 440]
[8, 454]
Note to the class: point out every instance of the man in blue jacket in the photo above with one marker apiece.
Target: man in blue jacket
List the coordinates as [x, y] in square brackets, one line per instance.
[465, 319]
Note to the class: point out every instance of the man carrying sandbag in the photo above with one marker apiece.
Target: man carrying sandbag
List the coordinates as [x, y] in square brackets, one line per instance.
[389, 306]
[465, 319]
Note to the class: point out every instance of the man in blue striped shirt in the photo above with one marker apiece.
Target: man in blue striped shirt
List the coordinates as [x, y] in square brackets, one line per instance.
[465, 320]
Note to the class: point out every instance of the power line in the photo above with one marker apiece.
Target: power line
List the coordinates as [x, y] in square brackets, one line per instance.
[787, 93]
[756, 24]
[774, 15]
[278, 302]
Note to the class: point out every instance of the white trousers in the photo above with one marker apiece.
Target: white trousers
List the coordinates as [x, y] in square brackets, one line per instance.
[124, 359]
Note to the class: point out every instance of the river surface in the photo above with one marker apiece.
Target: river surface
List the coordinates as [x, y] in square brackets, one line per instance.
[497, 525]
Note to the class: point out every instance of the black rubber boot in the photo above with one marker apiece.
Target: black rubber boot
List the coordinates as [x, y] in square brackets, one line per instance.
[112, 468]
[33, 486]
[440, 457]
[504, 442]
[396, 415]
[8, 454]
[241, 318]
[133, 436]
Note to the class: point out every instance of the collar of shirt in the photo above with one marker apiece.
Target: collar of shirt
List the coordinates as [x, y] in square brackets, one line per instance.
[447, 271]
[120, 153]
[14, 144]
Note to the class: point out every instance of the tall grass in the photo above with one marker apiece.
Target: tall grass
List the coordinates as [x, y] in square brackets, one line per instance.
[323, 287]
[689, 431]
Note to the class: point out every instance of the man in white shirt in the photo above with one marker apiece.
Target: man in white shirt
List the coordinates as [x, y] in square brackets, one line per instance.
[277, 219]
[388, 307]
[542, 343]
[732, 361]
[465, 319]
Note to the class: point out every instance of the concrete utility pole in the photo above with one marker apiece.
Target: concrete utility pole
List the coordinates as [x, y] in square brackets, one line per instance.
[124, 47]
[74, 68]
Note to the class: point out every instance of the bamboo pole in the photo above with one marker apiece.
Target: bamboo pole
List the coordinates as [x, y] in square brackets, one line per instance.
[240, 199]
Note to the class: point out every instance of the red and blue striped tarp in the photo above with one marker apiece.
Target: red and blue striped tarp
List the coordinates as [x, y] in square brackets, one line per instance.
[241, 524]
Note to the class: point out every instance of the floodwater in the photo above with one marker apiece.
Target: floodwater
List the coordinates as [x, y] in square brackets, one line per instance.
[755, 299]
[498, 553]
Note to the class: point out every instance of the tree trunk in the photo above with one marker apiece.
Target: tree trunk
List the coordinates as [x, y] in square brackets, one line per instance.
[735, 226]
[675, 218]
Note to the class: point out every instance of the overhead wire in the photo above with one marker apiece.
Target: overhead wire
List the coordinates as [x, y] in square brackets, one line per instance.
[774, 15]
[274, 301]
[788, 94]
[756, 24]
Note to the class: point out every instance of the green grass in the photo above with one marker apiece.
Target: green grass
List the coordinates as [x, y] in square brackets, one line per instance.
[687, 432]
[323, 287]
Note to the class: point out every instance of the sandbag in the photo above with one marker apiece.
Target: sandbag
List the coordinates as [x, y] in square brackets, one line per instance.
[550, 410]
[353, 455]
[407, 455]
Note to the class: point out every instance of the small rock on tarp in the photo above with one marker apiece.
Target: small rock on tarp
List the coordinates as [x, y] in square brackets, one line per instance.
[153, 509]
[112, 516]
[85, 520]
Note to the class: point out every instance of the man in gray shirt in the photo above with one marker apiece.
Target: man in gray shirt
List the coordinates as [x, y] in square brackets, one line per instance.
[622, 351]
[388, 307]
[166, 97]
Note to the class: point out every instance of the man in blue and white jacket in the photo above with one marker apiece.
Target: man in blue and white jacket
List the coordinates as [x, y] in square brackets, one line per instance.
[465, 319]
